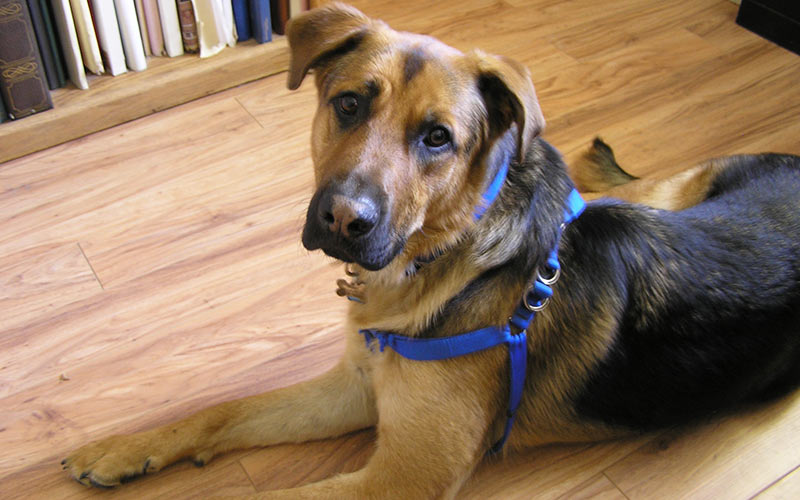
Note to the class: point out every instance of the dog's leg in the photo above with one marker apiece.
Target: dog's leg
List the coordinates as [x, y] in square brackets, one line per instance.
[432, 430]
[337, 402]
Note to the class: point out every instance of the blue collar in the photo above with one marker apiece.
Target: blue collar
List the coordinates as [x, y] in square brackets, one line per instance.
[493, 189]
[535, 299]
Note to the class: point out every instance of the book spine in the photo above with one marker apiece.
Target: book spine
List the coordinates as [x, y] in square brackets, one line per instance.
[23, 85]
[241, 17]
[39, 28]
[142, 26]
[3, 114]
[208, 14]
[188, 26]
[105, 21]
[55, 46]
[261, 20]
[227, 23]
[171, 27]
[131, 37]
[62, 13]
[153, 20]
[280, 15]
[87, 38]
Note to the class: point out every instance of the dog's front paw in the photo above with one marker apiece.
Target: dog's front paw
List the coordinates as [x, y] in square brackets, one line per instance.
[112, 461]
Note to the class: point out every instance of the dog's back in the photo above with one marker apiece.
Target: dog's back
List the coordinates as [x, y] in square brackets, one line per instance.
[712, 312]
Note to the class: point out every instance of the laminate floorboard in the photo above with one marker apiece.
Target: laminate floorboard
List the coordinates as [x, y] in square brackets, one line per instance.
[155, 268]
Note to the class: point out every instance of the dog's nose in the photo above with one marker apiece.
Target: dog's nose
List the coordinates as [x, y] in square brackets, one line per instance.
[352, 217]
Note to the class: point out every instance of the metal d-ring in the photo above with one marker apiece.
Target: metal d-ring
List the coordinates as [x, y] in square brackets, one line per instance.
[552, 279]
[535, 307]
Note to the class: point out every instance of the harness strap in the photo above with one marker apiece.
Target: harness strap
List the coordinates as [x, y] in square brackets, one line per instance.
[459, 345]
[433, 349]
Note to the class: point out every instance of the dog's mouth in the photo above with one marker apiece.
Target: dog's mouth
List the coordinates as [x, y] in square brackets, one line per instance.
[353, 229]
[369, 254]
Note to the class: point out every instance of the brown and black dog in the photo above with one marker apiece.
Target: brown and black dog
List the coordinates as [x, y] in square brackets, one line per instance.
[659, 317]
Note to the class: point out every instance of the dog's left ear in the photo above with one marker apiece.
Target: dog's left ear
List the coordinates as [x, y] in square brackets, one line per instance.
[322, 32]
[510, 98]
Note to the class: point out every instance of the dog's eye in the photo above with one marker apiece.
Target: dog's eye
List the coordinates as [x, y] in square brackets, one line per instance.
[437, 137]
[347, 105]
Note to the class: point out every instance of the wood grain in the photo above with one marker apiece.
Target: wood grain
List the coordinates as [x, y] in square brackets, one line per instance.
[167, 82]
[155, 268]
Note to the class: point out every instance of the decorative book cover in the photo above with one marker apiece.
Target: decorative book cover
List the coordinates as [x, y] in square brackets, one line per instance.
[23, 85]
[261, 20]
[188, 26]
[280, 15]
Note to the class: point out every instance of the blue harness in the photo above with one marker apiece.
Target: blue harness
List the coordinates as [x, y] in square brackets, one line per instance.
[535, 299]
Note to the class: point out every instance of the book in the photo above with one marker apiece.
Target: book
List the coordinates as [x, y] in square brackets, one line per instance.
[153, 20]
[228, 28]
[107, 26]
[23, 84]
[261, 20]
[188, 26]
[142, 26]
[55, 44]
[132, 45]
[210, 34]
[170, 27]
[43, 42]
[279, 10]
[3, 114]
[87, 39]
[241, 19]
[296, 7]
[62, 12]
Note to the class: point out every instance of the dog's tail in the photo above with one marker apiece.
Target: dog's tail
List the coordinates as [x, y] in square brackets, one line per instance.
[597, 170]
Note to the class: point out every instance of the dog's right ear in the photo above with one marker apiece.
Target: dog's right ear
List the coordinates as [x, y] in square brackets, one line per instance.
[316, 35]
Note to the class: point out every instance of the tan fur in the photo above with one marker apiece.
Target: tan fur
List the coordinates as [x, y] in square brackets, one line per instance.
[682, 190]
[434, 419]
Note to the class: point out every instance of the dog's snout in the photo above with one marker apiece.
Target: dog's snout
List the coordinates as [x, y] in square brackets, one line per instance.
[351, 217]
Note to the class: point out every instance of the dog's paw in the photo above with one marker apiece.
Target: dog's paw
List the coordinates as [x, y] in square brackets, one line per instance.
[113, 461]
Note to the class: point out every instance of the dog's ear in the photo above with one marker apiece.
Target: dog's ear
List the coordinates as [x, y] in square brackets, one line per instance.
[510, 98]
[319, 33]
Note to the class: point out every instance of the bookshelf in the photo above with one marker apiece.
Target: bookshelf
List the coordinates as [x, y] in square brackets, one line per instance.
[166, 82]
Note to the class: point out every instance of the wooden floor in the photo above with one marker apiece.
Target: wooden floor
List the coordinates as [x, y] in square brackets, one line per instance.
[155, 268]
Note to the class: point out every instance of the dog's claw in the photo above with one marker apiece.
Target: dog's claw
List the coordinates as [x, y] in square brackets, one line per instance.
[99, 485]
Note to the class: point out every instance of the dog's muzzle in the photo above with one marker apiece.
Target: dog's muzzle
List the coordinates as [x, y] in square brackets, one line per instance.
[349, 221]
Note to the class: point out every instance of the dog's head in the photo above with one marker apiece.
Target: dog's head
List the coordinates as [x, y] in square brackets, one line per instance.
[404, 135]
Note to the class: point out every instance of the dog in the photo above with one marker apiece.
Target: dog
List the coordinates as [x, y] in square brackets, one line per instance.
[677, 300]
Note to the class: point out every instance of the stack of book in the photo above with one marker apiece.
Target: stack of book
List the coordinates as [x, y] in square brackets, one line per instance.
[49, 44]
